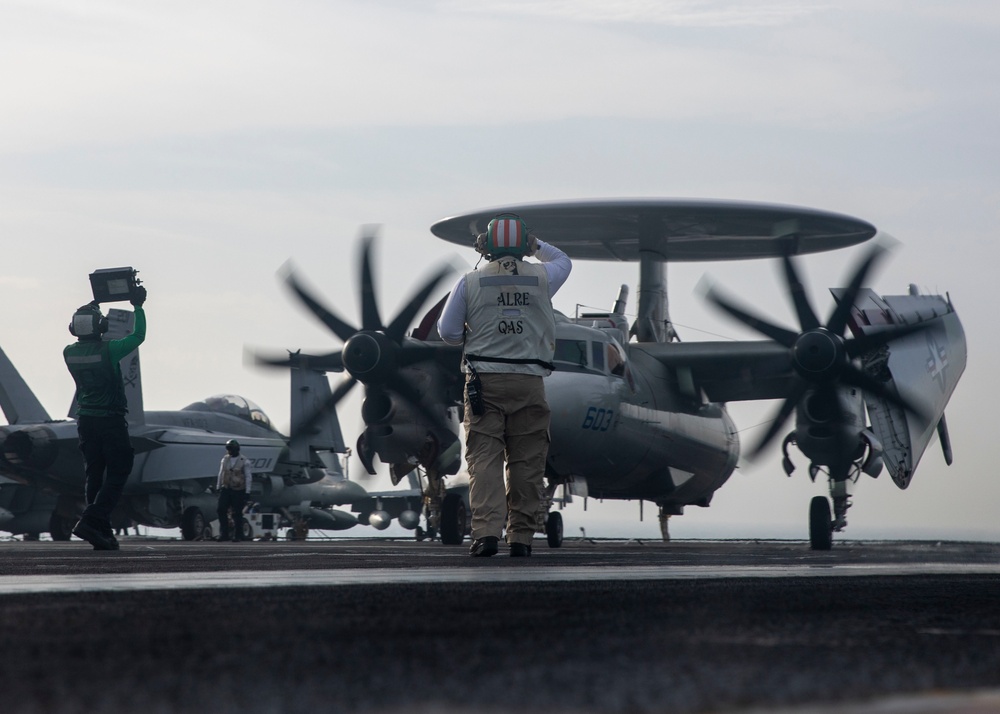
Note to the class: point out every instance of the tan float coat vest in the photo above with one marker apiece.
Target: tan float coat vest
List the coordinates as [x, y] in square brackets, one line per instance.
[232, 473]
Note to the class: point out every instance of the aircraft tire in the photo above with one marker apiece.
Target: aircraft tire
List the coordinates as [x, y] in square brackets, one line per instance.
[452, 519]
[820, 524]
[554, 529]
[193, 523]
[60, 527]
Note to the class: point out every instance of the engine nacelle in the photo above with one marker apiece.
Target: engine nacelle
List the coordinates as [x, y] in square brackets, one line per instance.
[270, 486]
[830, 430]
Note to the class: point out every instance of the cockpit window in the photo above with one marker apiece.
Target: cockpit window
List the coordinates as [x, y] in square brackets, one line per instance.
[235, 405]
[597, 356]
[573, 352]
[616, 359]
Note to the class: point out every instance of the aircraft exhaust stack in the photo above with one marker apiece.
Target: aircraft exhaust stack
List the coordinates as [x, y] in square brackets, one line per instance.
[377, 409]
[34, 447]
[621, 301]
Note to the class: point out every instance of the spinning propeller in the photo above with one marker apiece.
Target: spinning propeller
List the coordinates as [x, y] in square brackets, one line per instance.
[822, 357]
[373, 354]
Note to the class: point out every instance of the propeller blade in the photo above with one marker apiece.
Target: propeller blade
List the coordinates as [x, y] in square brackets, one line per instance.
[370, 319]
[873, 340]
[778, 423]
[779, 334]
[807, 316]
[397, 328]
[308, 426]
[854, 376]
[257, 359]
[332, 362]
[842, 312]
[340, 328]
[407, 391]
[411, 354]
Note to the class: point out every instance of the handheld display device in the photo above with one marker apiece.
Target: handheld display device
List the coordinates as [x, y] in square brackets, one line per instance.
[114, 284]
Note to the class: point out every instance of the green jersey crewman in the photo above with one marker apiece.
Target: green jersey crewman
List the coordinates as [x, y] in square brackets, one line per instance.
[100, 414]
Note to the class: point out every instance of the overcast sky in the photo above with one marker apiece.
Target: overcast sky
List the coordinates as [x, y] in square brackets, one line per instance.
[206, 143]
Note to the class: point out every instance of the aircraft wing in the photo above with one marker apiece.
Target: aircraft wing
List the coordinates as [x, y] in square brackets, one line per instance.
[726, 371]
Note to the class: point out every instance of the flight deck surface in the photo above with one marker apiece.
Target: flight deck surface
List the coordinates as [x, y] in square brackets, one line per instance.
[605, 626]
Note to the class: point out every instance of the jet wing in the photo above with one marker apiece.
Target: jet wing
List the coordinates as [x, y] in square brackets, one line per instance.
[674, 229]
[725, 371]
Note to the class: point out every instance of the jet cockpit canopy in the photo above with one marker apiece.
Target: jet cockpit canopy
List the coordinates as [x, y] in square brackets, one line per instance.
[235, 405]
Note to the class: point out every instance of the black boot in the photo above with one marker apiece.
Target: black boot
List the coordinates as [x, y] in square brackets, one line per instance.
[92, 535]
[484, 547]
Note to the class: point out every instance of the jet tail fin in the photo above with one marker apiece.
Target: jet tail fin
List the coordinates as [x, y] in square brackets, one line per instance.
[18, 402]
[310, 392]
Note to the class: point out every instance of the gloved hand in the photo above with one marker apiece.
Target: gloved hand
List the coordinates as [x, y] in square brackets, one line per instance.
[532, 245]
[138, 296]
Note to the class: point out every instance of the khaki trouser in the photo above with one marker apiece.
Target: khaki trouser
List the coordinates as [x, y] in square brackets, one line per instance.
[514, 428]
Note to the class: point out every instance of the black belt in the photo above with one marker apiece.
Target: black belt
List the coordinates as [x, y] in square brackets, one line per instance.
[508, 360]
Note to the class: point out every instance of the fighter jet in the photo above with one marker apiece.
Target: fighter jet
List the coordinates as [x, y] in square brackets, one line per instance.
[177, 458]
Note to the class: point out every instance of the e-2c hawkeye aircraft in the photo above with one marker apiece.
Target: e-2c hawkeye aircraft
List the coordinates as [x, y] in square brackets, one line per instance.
[177, 458]
[638, 414]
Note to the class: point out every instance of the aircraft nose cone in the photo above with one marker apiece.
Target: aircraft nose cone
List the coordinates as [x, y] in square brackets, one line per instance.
[370, 357]
[817, 354]
[361, 354]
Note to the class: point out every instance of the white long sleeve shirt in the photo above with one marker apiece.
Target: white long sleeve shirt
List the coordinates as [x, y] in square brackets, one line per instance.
[451, 323]
[227, 465]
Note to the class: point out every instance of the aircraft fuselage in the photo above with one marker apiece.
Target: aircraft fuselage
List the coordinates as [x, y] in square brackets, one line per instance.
[623, 428]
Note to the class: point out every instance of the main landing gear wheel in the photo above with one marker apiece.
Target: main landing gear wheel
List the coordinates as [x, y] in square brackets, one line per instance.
[820, 524]
[193, 523]
[60, 527]
[452, 519]
[554, 529]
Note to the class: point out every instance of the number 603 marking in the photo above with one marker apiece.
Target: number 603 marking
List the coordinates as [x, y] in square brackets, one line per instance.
[598, 419]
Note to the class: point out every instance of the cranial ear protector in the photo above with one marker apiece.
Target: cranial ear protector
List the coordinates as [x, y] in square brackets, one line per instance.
[506, 234]
[88, 322]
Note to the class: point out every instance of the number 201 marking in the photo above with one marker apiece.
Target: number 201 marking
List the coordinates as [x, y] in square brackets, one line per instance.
[598, 419]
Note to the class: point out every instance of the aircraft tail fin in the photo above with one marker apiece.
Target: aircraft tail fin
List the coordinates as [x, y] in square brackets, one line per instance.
[18, 402]
[310, 392]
